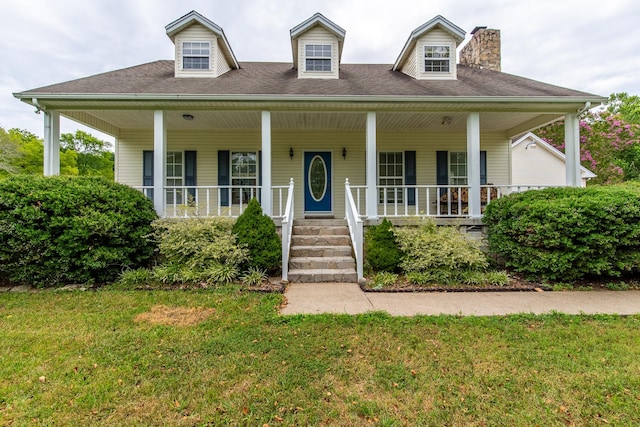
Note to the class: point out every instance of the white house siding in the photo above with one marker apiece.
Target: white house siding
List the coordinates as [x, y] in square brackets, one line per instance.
[198, 33]
[221, 63]
[410, 68]
[207, 143]
[318, 35]
[435, 37]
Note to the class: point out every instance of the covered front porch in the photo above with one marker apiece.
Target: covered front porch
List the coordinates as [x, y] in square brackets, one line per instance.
[406, 161]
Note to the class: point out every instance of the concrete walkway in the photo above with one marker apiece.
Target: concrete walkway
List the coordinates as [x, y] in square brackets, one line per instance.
[348, 298]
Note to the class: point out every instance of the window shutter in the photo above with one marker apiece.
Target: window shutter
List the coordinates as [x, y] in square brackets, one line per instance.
[410, 175]
[190, 173]
[483, 168]
[223, 176]
[442, 169]
[147, 172]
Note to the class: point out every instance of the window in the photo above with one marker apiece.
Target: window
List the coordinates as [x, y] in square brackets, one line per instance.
[175, 176]
[244, 172]
[458, 168]
[437, 59]
[195, 55]
[318, 57]
[391, 174]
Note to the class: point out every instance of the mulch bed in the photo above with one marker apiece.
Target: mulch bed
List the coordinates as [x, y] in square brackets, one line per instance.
[515, 285]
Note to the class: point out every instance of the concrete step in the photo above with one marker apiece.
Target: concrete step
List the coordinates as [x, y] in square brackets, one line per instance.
[317, 251]
[322, 263]
[321, 222]
[317, 240]
[322, 230]
[319, 276]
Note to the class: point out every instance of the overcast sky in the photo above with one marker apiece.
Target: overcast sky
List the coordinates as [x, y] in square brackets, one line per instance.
[588, 45]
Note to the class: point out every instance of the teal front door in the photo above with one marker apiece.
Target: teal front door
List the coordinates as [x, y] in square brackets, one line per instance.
[317, 183]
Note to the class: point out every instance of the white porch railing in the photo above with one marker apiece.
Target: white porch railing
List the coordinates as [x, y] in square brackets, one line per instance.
[355, 228]
[216, 200]
[430, 200]
[287, 227]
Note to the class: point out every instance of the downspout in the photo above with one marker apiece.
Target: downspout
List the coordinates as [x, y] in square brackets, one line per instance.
[39, 107]
[587, 105]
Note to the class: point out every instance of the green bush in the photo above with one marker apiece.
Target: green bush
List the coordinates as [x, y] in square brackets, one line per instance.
[567, 233]
[381, 248]
[432, 248]
[60, 230]
[258, 233]
[197, 250]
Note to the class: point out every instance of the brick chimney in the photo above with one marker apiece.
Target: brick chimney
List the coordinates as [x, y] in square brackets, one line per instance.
[483, 50]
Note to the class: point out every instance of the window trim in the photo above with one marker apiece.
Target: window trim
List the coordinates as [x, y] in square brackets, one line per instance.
[452, 176]
[208, 56]
[435, 59]
[178, 192]
[390, 193]
[316, 57]
[235, 193]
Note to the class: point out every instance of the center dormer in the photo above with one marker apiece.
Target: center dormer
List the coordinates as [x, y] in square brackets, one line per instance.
[317, 48]
[201, 48]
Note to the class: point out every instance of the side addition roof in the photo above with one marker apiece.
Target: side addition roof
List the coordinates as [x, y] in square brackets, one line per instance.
[586, 173]
[439, 21]
[194, 17]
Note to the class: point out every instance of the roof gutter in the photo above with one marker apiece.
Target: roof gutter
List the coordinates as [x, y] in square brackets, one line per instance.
[586, 100]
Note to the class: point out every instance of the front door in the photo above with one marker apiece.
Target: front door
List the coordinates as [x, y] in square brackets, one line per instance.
[317, 182]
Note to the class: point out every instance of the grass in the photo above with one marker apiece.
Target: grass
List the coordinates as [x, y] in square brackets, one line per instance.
[227, 358]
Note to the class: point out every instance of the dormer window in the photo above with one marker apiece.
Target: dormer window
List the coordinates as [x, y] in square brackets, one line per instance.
[437, 59]
[195, 55]
[318, 57]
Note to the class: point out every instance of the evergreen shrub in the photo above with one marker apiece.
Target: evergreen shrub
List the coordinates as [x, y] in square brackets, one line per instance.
[381, 249]
[567, 233]
[63, 230]
[258, 233]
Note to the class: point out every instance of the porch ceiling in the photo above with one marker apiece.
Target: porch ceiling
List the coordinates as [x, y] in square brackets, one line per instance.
[112, 121]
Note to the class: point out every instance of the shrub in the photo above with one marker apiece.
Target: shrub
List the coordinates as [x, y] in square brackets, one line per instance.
[381, 248]
[197, 250]
[60, 230]
[258, 233]
[254, 277]
[567, 233]
[429, 247]
[384, 279]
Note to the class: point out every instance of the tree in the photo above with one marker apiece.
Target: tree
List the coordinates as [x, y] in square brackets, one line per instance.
[9, 153]
[93, 156]
[609, 142]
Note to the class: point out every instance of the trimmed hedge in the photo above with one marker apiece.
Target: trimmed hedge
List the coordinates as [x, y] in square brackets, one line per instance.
[61, 230]
[566, 234]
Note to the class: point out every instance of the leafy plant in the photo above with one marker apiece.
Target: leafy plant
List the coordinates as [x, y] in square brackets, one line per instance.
[257, 232]
[133, 278]
[568, 233]
[429, 247]
[59, 230]
[222, 274]
[384, 279]
[381, 249]
[254, 277]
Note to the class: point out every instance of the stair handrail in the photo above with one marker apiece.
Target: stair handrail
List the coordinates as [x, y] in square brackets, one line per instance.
[287, 226]
[356, 227]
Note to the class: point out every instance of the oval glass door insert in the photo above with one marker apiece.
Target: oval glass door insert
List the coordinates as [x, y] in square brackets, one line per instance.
[317, 178]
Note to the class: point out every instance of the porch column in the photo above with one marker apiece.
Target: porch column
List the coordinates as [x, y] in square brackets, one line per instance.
[159, 161]
[372, 193]
[51, 143]
[572, 149]
[473, 163]
[266, 163]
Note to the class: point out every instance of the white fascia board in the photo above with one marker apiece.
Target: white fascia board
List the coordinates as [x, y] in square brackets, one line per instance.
[26, 97]
[455, 31]
[318, 18]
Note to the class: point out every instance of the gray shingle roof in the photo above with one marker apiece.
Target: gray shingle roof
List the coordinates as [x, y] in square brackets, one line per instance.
[269, 78]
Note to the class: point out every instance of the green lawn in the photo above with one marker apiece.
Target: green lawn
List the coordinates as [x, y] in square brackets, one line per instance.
[86, 358]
